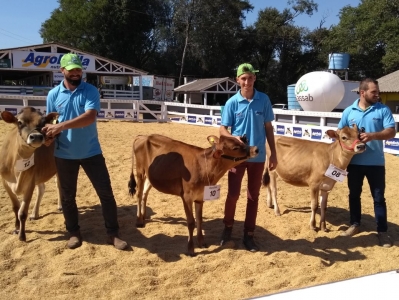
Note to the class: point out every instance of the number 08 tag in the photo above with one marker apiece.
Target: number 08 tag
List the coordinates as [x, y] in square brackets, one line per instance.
[336, 173]
[211, 192]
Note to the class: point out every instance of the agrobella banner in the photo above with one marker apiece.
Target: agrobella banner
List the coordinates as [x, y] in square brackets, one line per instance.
[46, 61]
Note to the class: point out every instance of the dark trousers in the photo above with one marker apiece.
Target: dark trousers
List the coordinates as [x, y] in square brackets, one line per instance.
[376, 178]
[235, 175]
[97, 172]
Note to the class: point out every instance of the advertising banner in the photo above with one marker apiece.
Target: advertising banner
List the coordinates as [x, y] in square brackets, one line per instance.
[46, 60]
[124, 80]
[5, 63]
[163, 86]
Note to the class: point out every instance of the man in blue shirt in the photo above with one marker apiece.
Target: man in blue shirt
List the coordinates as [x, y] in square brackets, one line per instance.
[248, 113]
[78, 103]
[376, 124]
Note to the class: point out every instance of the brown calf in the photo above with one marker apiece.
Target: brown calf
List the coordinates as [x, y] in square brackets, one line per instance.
[176, 168]
[304, 163]
[25, 162]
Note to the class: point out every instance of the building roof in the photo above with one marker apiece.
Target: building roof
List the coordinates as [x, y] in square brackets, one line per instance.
[388, 83]
[209, 85]
[103, 64]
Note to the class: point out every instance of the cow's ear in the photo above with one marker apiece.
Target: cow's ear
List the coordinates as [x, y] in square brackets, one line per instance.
[8, 117]
[217, 154]
[213, 140]
[333, 134]
[52, 118]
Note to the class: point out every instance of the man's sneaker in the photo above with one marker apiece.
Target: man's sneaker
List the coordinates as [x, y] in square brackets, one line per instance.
[351, 231]
[226, 235]
[249, 242]
[384, 239]
[75, 240]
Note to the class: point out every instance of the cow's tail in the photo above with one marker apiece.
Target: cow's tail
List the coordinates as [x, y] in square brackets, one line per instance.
[132, 182]
[266, 178]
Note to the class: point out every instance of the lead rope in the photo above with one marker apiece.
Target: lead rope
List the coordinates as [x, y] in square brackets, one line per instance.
[206, 169]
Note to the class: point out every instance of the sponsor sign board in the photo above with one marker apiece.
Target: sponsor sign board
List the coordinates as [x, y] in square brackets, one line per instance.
[208, 121]
[392, 144]
[46, 60]
[123, 80]
[191, 119]
[119, 114]
[5, 63]
[297, 131]
[316, 134]
[280, 129]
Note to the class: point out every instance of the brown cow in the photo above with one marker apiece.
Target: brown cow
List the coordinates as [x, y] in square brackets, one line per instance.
[304, 163]
[25, 163]
[176, 168]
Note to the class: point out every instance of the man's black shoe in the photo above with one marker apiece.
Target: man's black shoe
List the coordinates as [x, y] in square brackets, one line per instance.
[226, 235]
[249, 242]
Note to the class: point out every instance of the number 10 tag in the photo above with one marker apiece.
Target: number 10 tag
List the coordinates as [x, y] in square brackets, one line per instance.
[211, 192]
[336, 173]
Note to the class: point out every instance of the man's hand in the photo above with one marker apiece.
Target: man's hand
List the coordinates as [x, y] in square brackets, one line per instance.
[272, 162]
[51, 130]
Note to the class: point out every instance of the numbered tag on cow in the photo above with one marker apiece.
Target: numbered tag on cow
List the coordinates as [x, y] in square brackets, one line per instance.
[211, 192]
[24, 164]
[336, 173]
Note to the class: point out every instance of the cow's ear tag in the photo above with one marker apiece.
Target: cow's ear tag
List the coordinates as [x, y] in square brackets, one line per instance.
[213, 140]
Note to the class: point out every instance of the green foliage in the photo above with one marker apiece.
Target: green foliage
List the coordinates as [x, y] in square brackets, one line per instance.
[206, 38]
[369, 33]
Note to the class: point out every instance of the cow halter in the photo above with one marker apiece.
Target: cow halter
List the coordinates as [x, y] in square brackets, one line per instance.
[234, 158]
[244, 139]
[352, 147]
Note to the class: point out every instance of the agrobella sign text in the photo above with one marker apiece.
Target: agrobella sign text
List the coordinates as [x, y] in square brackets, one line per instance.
[46, 61]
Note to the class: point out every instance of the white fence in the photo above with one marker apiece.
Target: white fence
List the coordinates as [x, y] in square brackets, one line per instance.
[299, 124]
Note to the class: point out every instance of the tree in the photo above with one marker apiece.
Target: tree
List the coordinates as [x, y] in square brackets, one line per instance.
[369, 33]
[278, 46]
[122, 30]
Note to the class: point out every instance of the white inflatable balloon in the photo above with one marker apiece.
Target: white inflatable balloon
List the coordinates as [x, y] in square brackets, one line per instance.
[319, 91]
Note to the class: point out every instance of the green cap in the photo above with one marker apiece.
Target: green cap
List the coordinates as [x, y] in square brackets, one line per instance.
[71, 61]
[245, 68]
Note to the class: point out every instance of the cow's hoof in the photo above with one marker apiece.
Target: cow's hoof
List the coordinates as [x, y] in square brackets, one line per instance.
[59, 208]
[314, 228]
[323, 228]
[16, 231]
[22, 238]
[32, 218]
[140, 225]
[192, 254]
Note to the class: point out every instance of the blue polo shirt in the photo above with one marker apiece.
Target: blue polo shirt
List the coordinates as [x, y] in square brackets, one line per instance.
[249, 118]
[374, 119]
[77, 143]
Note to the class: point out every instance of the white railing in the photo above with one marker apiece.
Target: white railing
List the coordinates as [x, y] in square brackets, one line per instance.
[287, 122]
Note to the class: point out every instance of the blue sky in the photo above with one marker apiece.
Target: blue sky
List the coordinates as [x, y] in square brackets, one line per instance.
[21, 20]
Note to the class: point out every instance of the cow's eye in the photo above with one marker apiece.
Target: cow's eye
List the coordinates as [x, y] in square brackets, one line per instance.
[19, 123]
[344, 138]
[236, 148]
